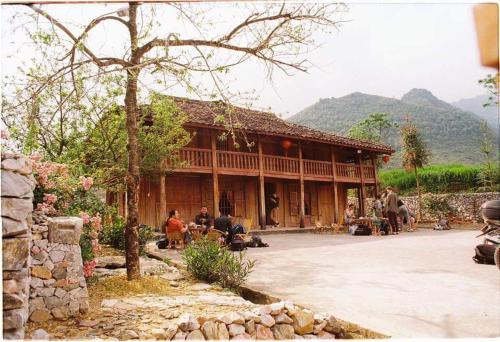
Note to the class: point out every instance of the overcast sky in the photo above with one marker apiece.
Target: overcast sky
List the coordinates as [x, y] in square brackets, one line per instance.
[383, 49]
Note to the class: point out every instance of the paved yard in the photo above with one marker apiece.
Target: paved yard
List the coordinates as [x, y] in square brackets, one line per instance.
[421, 284]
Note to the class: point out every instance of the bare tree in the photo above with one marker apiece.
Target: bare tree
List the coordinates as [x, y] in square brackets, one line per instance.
[279, 35]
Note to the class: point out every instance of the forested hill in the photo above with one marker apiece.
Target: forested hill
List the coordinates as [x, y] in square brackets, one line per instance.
[452, 134]
[476, 105]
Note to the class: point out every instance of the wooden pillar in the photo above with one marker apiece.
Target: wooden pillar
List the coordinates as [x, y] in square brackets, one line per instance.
[215, 176]
[163, 199]
[301, 181]
[336, 216]
[377, 182]
[362, 193]
[262, 194]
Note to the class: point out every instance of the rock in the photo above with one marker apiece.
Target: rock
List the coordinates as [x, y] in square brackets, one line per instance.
[181, 335]
[56, 256]
[74, 308]
[129, 335]
[111, 262]
[20, 165]
[250, 316]
[49, 282]
[172, 276]
[61, 313]
[187, 322]
[12, 301]
[14, 286]
[319, 327]
[60, 293]
[283, 332]
[15, 252]
[195, 335]
[232, 317]
[13, 228]
[236, 329]
[283, 319]
[264, 310]
[16, 208]
[41, 272]
[243, 336]
[250, 326]
[40, 315]
[59, 273]
[52, 302]
[109, 303]
[36, 282]
[353, 336]
[170, 332]
[297, 337]
[325, 335]
[199, 287]
[215, 331]
[159, 333]
[46, 292]
[303, 322]
[277, 308]
[88, 323]
[267, 320]
[263, 333]
[14, 319]
[40, 334]
[16, 185]
[66, 230]
[310, 337]
[84, 305]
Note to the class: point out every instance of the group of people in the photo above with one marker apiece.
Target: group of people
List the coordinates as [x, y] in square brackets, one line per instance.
[387, 207]
[203, 222]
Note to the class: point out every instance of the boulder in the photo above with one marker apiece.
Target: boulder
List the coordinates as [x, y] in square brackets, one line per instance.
[303, 322]
[20, 165]
[12, 227]
[40, 315]
[283, 332]
[263, 333]
[236, 329]
[195, 335]
[16, 208]
[16, 185]
[15, 253]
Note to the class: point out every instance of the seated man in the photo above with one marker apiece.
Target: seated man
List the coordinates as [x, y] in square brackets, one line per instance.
[224, 224]
[203, 219]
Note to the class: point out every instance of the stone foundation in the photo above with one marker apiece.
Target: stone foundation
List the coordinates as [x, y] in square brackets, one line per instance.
[58, 289]
[17, 198]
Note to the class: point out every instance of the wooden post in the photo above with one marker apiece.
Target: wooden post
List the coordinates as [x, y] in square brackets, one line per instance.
[301, 181]
[262, 194]
[336, 217]
[163, 199]
[377, 183]
[362, 194]
[215, 177]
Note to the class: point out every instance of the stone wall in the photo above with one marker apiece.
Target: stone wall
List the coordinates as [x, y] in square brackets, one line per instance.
[466, 205]
[17, 198]
[58, 289]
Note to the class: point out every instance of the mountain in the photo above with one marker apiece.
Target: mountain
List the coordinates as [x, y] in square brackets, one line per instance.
[475, 105]
[452, 134]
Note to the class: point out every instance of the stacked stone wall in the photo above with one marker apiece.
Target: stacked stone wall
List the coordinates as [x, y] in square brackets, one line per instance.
[58, 289]
[17, 198]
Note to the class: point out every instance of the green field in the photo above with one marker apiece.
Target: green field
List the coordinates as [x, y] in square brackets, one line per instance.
[436, 179]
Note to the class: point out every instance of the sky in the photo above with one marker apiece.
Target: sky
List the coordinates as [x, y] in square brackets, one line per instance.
[380, 49]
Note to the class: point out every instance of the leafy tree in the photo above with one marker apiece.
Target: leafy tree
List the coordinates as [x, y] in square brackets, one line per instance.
[415, 154]
[490, 83]
[372, 128]
[275, 34]
[489, 176]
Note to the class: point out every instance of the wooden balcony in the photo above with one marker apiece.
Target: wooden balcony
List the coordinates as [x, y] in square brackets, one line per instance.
[240, 163]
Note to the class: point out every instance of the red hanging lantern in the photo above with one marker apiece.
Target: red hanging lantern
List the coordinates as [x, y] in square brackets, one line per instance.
[386, 159]
[286, 144]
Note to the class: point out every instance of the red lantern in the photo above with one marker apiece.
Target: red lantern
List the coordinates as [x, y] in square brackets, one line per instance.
[386, 159]
[286, 144]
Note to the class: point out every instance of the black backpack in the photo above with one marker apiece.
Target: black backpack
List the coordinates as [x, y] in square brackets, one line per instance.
[363, 229]
[237, 244]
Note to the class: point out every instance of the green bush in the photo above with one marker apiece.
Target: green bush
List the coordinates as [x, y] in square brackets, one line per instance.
[207, 260]
[113, 234]
[435, 179]
[438, 205]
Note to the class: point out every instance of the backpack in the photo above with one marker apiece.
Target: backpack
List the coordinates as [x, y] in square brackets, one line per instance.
[162, 243]
[362, 229]
[256, 242]
[237, 244]
[485, 254]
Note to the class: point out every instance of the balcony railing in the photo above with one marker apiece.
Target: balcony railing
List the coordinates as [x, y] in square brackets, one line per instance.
[194, 159]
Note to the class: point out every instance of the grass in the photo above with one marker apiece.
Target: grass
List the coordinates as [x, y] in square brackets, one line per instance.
[119, 286]
[435, 178]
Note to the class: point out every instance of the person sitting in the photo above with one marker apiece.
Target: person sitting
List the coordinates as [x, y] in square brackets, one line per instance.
[174, 223]
[224, 224]
[349, 215]
[204, 220]
[442, 224]
[404, 216]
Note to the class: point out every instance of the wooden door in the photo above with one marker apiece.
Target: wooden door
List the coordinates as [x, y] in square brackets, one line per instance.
[293, 204]
[325, 204]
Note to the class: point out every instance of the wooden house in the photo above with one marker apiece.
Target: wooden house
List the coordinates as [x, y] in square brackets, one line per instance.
[311, 171]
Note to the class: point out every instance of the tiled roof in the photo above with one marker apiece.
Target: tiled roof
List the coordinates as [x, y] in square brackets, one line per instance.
[206, 113]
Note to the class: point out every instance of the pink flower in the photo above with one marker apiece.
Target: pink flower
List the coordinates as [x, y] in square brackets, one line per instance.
[88, 268]
[96, 221]
[85, 217]
[36, 157]
[49, 198]
[96, 248]
[93, 234]
[86, 182]
[4, 134]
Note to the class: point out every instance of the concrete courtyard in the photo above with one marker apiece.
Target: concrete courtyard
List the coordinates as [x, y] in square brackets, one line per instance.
[421, 284]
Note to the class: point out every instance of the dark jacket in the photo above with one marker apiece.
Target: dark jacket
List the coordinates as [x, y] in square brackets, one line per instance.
[205, 220]
[223, 223]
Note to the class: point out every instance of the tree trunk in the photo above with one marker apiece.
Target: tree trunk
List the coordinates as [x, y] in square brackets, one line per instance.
[132, 229]
[419, 213]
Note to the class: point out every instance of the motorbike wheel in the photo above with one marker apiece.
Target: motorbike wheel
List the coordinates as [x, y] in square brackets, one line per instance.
[497, 256]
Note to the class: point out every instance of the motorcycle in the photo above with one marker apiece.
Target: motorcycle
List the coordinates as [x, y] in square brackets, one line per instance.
[489, 251]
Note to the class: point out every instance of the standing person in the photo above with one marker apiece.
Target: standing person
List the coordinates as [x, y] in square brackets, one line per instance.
[203, 219]
[377, 206]
[274, 203]
[391, 207]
